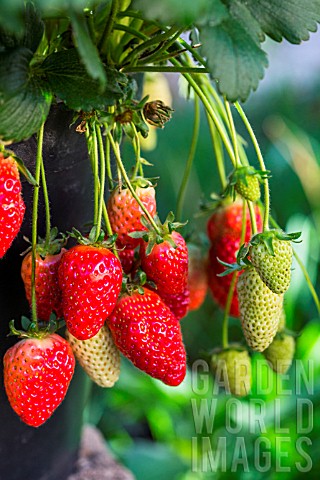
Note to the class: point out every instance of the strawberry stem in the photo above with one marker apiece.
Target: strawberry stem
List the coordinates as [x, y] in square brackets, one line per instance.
[93, 155]
[236, 163]
[101, 183]
[108, 160]
[192, 151]
[103, 44]
[253, 219]
[47, 207]
[225, 321]
[218, 151]
[131, 58]
[115, 147]
[39, 161]
[137, 151]
[262, 166]
[210, 108]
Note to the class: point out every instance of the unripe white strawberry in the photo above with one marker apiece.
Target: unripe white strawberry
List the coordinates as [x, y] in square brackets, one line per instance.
[98, 356]
[233, 367]
[260, 310]
[280, 353]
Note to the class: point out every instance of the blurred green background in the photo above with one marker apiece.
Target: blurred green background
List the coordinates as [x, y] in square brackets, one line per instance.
[151, 428]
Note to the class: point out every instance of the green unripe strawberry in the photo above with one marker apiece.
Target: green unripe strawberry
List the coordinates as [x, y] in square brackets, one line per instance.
[272, 258]
[233, 368]
[260, 310]
[246, 182]
[280, 353]
[98, 356]
[248, 188]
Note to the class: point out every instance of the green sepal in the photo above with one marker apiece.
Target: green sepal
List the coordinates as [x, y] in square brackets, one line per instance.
[91, 239]
[151, 244]
[142, 277]
[139, 234]
[25, 322]
[117, 133]
[241, 175]
[230, 268]
[93, 235]
[21, 167]
[267, 238]
[145, 162]
[54, 247]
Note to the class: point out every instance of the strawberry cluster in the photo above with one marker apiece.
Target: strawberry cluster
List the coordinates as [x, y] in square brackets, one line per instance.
[259, 271]
[127, 291]
[97, 289]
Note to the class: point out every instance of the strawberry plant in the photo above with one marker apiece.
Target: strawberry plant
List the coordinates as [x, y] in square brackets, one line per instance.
[125, 284]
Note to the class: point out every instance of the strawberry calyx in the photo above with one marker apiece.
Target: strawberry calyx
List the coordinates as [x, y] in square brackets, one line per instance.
[245, 181]
[156, 113]
[54, 247]
[91, 239]
[129, 287]
[266, 238]
[31, 329]
[139, 182]
[242, 262]
[132, 284]
[165, 230]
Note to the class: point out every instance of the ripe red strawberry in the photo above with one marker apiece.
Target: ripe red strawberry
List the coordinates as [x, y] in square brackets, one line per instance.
[48, 293]
[177, 302]
[37, 374]
[126, 256]
[219, 286]
[146, 331]
[12, 207]
[224, 230]
[197, 277]
[90, 280]
[227, 220]
[125, 213]
[167, 266]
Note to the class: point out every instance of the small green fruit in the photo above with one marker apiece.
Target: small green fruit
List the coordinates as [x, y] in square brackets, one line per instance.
[280, 353]
[233, 368]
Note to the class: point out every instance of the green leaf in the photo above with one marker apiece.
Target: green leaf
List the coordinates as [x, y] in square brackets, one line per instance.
[88, 51]
[175, 11]
[290, 19]
[22, 114]
[11, 16]
[14, 71]
[234, 56]
[28, 31]
[34, 28]
[69, 80]
[242, 15]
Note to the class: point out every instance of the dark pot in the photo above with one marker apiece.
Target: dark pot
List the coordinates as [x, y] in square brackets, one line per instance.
[48, 452]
